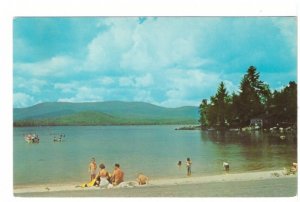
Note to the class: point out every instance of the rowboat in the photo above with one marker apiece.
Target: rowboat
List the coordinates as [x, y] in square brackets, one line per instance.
[32, 138]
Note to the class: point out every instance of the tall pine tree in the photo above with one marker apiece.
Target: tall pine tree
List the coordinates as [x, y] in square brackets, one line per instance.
[253, 96]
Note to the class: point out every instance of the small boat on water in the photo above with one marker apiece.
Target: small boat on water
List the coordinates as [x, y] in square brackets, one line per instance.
[32, 138]
[58, 138]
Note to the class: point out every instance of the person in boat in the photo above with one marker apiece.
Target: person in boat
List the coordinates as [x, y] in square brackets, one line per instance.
[103, 177]
[142, 179]
[30, 137]
[92, 168]
[118, 175]
[35, 139]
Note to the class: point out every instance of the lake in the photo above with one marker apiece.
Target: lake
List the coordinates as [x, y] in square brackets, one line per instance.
[152, 150]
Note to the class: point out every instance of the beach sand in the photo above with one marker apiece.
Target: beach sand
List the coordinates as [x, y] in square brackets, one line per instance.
[252, 184]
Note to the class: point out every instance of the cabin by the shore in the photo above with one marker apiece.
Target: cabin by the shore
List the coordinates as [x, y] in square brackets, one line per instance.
[256, 122]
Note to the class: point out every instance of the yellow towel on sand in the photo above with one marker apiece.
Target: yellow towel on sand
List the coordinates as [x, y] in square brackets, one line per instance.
[90, 184]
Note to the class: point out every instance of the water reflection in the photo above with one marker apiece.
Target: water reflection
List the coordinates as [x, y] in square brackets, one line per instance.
[252, 138]
[254, 150]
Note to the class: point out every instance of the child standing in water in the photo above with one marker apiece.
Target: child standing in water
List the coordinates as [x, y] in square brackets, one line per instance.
[179, 164]
[93, 168]
[189, 166]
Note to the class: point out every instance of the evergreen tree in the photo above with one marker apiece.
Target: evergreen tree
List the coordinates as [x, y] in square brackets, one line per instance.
[255, 100]
[222, 104]
[217, 111]
[283, 107]
[212, 113]
[203, 108]
[253, 96]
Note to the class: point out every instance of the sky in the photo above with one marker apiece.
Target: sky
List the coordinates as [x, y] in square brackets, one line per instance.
[167, 61]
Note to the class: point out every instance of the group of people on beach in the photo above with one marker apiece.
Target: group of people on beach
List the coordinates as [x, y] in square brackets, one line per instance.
[188, 166]
[105, 179]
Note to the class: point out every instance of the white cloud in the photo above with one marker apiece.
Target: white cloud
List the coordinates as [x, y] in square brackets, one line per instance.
[55, 66]
[288, 30]
[86, 94]
[137, 81]
[155, 44]
[143, 96]
[163, 43]
[106, 81]
[182, 60]
[231, 87]
[21, 47]
[126, 81]
[23, 100]
[33, 85]
[144, 81]
[67, 87]
[188, 87]
[104, 51]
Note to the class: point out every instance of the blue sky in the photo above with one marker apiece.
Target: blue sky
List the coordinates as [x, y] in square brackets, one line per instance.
[168, 61]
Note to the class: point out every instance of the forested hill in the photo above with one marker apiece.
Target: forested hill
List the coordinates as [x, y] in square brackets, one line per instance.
[103, 113]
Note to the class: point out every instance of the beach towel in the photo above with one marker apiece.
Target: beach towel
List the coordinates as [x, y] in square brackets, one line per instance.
[90, 184]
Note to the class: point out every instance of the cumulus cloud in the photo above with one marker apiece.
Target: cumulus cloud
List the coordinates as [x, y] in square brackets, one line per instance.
[105, 50]
[154, 44]
[170, 61]
[143, 96]
[144, 81]
[163, 43]
[55, 66]
[30, 85]
[287, 28]
[231, 87]
[137, 81]
[23, 100]
[106, 81]
[85, 94]
[189, 87]
[67, 87]
[126, 81]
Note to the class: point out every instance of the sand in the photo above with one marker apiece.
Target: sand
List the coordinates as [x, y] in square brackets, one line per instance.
[267, 183]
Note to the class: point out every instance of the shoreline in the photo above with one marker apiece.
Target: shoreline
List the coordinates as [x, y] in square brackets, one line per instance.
[49, 189]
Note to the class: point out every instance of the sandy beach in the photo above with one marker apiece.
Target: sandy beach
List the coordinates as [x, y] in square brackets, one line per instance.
[251, 184]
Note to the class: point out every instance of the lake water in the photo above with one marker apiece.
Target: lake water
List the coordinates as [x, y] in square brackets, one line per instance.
[152, 150]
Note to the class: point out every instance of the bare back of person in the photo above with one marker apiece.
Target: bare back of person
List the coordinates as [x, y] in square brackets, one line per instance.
[142, 179]
[118, 176]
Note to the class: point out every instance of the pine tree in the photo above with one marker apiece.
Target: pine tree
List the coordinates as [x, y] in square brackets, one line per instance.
[203, 108]
[218, 109]
[253, 96]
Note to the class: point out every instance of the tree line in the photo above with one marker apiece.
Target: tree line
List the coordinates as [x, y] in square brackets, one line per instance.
[254, 100]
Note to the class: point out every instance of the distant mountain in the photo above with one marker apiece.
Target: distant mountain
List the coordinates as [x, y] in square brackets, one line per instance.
[103, 113]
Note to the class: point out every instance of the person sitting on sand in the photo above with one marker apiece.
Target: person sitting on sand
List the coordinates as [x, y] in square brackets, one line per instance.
[189, 166]
[102, 177]
[118, 175]
[292, 170]
[93, 168]
[142, 179]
